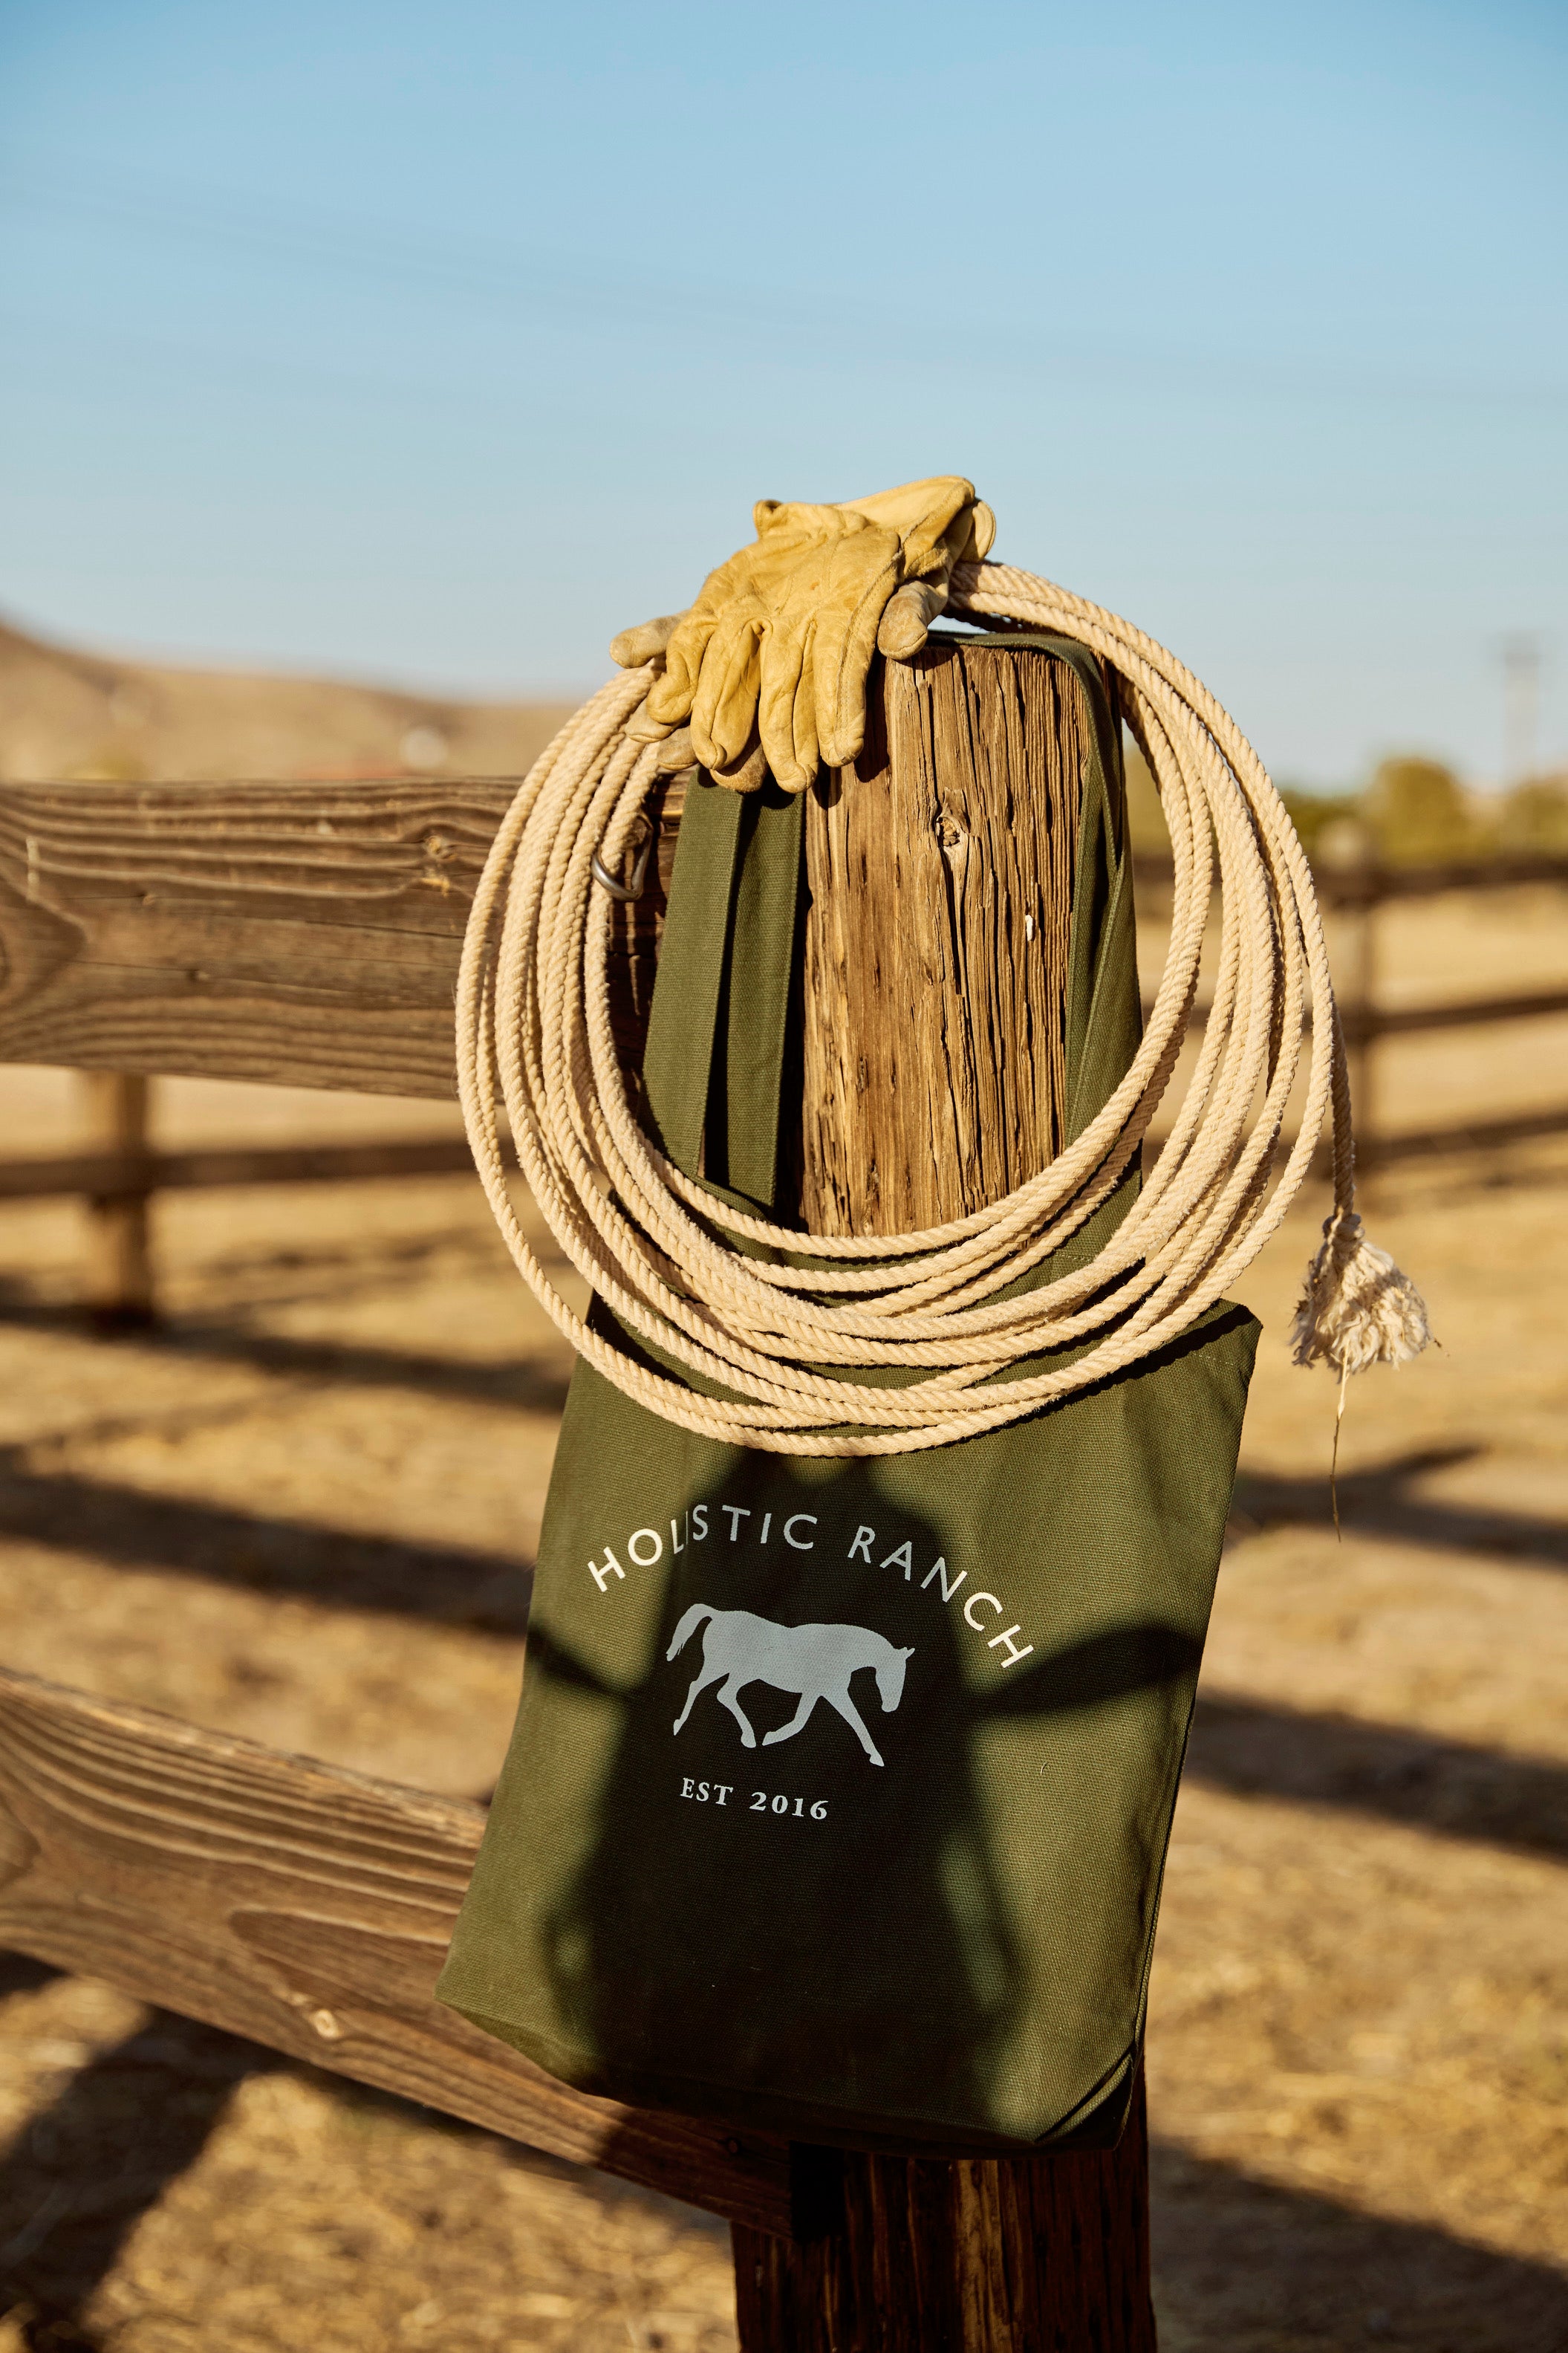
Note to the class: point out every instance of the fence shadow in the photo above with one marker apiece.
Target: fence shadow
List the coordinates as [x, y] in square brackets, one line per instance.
[1254, 2267]
[1457, 1788]
[536, 1383]
[444, 1585]
[77, 2179]
[1379, 1501]
[82, 2173]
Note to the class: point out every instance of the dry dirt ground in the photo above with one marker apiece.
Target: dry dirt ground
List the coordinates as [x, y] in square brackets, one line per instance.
[296, 1512]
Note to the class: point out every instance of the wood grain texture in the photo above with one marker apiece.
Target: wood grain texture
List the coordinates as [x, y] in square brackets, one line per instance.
[309, 1908]
[306, 934]
[940, 878]
[941, 881]
[1047, 2254]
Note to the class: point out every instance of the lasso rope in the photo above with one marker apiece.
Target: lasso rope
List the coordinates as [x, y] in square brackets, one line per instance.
[534, 1014]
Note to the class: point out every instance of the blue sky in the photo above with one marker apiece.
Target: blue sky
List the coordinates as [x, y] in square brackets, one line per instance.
[440, 341]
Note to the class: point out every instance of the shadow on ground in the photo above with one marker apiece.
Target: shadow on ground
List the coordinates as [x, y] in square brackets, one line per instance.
[1460, 1790]
[129, 1528]
[1379, 1501]
[534, 1384]
[1244, 2267]
[81, 2176]
[1249, 1747]
[83, 2171]
[1241, 2265]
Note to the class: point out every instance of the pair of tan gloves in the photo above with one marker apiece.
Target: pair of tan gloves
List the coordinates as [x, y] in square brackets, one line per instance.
[768, 669]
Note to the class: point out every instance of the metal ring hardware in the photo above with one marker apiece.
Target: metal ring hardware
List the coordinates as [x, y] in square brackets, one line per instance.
[625, 891]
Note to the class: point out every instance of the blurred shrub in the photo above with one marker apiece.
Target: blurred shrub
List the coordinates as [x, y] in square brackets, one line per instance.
[1416, 814]
[1317, 815]
[111, 763]
[1534, 817]
[1310, 813]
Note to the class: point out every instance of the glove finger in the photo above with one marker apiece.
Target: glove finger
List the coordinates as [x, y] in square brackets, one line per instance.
[669, 698]
[902, 632]
[725, 708]
[802, 723]
[965, 541]
[749, 774]
[783, 656]
[641, 729]
[846, 641]
[675, 753]
[646, 643]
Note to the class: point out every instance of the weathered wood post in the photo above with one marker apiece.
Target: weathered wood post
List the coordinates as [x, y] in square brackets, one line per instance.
[940, 877]
[117, 1271]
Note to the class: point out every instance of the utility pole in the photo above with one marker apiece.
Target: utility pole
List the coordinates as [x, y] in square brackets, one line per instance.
[1520, 705]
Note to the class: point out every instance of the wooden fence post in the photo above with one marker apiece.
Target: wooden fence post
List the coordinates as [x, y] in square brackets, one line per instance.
[117, 1271]
[939, 878]
[1363, 1007]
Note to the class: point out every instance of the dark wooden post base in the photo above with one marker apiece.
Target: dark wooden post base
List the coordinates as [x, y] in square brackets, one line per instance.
[1041, 2255]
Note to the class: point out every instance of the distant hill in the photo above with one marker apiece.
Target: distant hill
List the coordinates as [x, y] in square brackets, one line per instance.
[68, 714]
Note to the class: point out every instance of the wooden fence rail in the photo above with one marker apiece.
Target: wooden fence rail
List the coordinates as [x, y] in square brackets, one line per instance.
[315, 940]
[1359, 890]
[309, 1908]
[109, 1176]
[303, 934]
[1368, 882]
[309, 934]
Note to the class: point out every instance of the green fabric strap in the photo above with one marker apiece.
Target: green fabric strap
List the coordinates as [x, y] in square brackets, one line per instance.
[717, 1026]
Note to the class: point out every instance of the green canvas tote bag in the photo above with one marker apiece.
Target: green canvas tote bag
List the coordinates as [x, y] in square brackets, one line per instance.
[839, 1793]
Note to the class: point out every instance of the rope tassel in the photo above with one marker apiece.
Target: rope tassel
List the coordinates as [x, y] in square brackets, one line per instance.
[1357, 1309]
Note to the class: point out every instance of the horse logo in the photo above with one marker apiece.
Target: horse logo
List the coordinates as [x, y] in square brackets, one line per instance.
[818, 1661]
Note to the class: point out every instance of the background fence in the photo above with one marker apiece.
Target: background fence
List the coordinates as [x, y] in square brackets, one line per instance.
[119, 1171]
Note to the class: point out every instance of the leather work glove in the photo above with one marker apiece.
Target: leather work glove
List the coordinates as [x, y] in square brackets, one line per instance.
[769, 666]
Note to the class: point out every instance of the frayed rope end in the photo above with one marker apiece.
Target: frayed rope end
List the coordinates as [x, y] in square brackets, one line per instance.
[1357, 1309]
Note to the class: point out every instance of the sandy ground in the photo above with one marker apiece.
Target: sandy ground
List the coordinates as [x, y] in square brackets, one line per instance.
[297, 1511]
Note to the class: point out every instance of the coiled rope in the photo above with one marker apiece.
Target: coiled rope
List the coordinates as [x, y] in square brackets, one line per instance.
[533, 1020]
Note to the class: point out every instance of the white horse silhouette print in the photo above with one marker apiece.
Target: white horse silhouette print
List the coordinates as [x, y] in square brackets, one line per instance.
[814, 1660]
